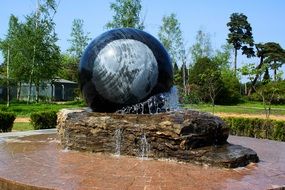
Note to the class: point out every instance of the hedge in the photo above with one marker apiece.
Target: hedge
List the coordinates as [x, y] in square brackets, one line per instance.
[256, 127]
[44, 120]
[6, 121]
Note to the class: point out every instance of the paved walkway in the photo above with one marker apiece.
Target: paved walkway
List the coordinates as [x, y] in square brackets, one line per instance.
[22, 120]
[221, 114]
[29, 159]
[275, 117]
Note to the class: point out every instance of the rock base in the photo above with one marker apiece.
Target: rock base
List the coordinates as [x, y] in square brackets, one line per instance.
[187, 136]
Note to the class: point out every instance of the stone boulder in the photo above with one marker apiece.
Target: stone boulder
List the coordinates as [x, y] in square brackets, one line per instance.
[188, 136]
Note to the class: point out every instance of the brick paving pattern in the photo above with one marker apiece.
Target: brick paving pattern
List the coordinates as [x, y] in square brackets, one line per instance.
[38, 160]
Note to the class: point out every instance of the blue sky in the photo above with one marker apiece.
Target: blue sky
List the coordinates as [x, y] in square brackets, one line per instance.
[266, 17]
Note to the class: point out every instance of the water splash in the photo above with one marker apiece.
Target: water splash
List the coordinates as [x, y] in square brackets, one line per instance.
[144, 147]
[66, 149]
[162, 102]
[171, 99]
[118, 141]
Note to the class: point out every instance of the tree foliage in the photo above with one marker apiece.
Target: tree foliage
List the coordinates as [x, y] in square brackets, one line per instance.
[240, 35]
[170, 35]
[229, 92]
[269, 91]
[127, 13]
[79, 39]
[213, 80]
[69, 67]
[34, 53]
[272, 56]
[223, 56]
[11, 43]
[202, 47]
[206, 74]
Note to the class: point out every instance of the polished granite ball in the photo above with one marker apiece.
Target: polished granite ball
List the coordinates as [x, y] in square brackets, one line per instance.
[123, 67]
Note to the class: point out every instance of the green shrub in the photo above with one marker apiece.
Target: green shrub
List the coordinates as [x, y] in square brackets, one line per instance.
[44, 120]
[277, 86]
[256, 127]
[6, 121]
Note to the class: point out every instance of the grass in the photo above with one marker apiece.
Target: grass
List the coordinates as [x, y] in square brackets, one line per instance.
[243, 108]
[22, 109]
[21, 126]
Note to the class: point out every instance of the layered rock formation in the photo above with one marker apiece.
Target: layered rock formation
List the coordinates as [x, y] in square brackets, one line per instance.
[187, 136]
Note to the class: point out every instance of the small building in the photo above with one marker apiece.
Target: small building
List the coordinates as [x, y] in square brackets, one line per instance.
[55, 90]
[63, 90]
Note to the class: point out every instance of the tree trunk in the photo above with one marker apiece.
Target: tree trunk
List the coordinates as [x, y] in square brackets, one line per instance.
[30, 90]
[37, 92]
[31, 75]
[235, 63]
[19, 90]
[275, 74]
[30, 86]
[213, 106]
[184, 77]
[8, 85]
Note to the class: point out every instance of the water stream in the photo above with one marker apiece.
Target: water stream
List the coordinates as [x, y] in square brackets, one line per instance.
[118, 141]
[144, 147]
[163, 102]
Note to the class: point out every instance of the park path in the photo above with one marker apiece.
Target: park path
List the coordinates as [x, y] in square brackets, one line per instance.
[22, 120]
[261, 116]
[220, 114]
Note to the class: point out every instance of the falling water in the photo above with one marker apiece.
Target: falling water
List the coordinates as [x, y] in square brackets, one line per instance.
[171, 99]
[163, 102]
[144, 147]
[118, 141]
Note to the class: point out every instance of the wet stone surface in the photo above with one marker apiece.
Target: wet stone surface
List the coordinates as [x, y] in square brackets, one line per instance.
[188, 136]
[36, 161]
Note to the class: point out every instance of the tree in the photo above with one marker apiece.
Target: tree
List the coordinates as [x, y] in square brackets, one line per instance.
[229, 92]
[213, 79]
[7, 47]
[268, 91]
[170, 35]
[275, 57]
[240, 36]
[34, 53]
[79, 39]
[126, 14]
[178, 76]
[224, 56]
[271, 55]
[202, 47]
[69, 65]
[44, 56]
[206, 74]
[212, 84]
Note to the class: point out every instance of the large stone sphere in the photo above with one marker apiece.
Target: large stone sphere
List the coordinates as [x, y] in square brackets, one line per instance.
[123, 67]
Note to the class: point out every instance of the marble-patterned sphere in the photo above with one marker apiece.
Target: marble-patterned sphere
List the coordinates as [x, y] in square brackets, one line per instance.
[123, 67]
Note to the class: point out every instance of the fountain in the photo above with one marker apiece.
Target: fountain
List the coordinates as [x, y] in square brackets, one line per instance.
[126, 80]
[120, 140]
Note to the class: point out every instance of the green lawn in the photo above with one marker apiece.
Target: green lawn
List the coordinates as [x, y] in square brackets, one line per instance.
[25, 110]
[244, 108]
[21, 126]
[22, 109]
